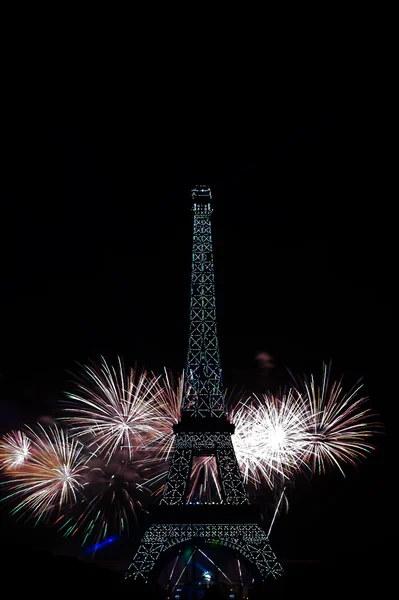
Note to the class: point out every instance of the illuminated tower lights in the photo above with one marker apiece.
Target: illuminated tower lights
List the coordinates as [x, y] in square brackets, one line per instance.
[204, 430]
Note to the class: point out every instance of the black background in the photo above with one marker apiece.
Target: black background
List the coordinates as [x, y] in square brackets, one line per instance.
[99, 157]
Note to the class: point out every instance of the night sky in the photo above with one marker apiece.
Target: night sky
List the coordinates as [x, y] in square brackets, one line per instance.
[96, 251]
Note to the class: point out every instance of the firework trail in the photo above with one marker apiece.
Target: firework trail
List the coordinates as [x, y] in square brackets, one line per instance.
[204, 481]
[52, 476]
[14, 450]
[340, 423]
[112, 409]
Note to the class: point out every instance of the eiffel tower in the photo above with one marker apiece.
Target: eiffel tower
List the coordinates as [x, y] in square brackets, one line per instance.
[204, 430]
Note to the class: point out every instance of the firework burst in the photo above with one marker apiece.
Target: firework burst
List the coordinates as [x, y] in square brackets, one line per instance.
[269, 437]
[306, 429]
[110, 502]
[340, 424]
[112, 409]
[51, 478]
[127, 423]
[14, 450]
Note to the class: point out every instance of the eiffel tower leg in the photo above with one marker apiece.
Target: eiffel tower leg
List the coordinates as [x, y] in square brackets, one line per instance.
[148, 552]
[176, 487]
[229, 473]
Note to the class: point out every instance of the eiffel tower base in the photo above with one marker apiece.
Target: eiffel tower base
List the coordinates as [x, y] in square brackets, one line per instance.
[248, 539]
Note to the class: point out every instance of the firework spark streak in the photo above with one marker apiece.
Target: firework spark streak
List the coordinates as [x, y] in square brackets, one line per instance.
[14, 450]
[214, 564]
[275, 512]
[52, 476]
[112, 409]
[340, 424]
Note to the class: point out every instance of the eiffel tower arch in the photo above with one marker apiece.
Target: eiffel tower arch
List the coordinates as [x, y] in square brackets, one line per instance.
[204, 431]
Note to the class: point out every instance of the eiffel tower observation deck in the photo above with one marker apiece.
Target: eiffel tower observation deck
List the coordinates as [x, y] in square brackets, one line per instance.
[204, 430]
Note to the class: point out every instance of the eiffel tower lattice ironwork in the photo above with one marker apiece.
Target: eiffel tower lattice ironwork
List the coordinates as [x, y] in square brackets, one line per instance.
[204, 430]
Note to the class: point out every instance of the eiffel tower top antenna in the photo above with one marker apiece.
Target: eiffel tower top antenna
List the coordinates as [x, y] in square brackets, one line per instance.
[203, 388]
